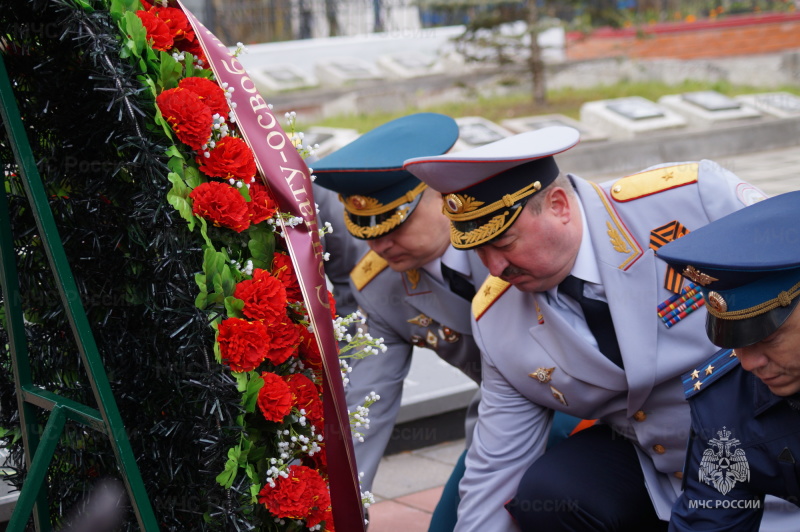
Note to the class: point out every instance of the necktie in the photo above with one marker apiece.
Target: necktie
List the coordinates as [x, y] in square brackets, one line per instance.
[598, 318]
[458, 284]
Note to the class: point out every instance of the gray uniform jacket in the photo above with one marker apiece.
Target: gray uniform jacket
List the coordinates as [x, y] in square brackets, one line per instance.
[406, 311]
[519, 333]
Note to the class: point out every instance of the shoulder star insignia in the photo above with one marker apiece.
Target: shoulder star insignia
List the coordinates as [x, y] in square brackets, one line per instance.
[695, 374]
[667, 176]
[697, 385]
[709, 369]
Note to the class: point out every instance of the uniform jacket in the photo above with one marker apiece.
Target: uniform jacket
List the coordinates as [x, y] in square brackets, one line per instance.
[745, 445]
[518, 334]
[405, 309]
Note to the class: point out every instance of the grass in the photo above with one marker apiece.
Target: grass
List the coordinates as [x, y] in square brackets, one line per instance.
[563, 101]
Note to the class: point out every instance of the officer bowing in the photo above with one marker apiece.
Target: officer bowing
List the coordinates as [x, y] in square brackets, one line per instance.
[745, 400]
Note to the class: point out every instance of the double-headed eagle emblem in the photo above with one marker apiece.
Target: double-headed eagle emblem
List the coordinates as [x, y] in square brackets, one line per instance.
[721, 465]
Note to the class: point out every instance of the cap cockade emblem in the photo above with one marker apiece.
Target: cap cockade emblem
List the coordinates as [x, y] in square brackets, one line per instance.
[360, 203]
[717, 302]
[453, 203]
[703, 279]
[458, 204]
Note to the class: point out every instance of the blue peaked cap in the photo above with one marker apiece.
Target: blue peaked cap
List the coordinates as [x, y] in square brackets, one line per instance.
[378, 194]
[748, 267]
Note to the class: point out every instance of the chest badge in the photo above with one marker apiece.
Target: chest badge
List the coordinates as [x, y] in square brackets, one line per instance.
[559, 396]
[722, 466]
[542, 374]
[449, 335]
[422, 320]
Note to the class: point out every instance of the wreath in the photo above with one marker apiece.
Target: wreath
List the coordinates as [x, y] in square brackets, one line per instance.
[183, 258]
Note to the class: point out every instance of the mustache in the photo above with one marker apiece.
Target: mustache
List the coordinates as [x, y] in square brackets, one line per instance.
[511, 271]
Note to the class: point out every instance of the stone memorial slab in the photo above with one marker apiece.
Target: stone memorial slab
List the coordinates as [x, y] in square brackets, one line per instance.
[329, 140]
[411, 64]
[706, 109]
[281, 77]
[8, 495]
[777, 104]
[530, 123]
[630, 117]
[433, 387]
[477, 131]
[343, 70]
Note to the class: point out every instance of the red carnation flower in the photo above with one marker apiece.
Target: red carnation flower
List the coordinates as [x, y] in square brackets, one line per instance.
[230, 158]
[191, 45]
[188, 117]
[284, 339]
[306, 397]
[309, 350]
[209, 92]
[175, 20]
[332, 305]
[262, 205]
[158, 35]
[318, 460]
[264, 297]
[319, 515]
[243, 344]
[146, 5]
[222, 204]
[282, 269]
[274, 398]
[296, 496]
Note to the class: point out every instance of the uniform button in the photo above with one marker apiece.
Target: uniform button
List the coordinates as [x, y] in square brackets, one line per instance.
[658, 448]
[679, 474]
[640, 416]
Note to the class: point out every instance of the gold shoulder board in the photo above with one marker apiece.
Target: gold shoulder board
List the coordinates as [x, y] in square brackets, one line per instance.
[654, 181]
[367, 269]
[491, 289]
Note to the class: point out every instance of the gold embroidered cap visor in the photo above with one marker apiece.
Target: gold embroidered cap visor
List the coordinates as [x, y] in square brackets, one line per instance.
[747, 265]
[485, 211]
[367, 218]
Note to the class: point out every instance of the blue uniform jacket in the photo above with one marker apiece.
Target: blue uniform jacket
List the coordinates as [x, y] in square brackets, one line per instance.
[745, 445]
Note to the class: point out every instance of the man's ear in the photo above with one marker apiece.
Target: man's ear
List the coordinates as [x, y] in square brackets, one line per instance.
[558, 204]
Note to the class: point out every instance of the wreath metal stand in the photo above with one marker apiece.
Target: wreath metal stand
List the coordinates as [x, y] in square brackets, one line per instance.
[106, 418]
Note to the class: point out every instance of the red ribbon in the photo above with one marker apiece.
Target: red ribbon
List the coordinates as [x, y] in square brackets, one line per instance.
[286, 175]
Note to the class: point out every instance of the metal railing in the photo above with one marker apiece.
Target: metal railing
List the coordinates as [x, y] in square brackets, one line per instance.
[30, 397]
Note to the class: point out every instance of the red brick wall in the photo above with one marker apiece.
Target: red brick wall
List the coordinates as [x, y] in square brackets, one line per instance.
[728, 37]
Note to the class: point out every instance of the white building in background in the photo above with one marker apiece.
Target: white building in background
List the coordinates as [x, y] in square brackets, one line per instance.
[304, 19]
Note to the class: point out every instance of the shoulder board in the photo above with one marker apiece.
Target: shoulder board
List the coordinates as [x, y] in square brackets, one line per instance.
[367, 269]
[654, 181]
[708, 372]
[491, 289]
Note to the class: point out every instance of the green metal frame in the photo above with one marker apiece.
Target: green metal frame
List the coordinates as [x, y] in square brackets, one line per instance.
[105, 419]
